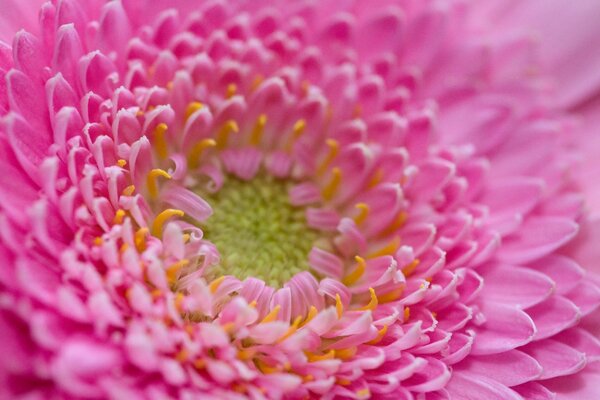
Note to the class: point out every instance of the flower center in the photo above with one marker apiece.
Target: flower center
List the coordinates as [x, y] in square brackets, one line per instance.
[257, 231]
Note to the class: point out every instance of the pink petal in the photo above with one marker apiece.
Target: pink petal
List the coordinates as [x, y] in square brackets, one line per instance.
[537, 237]
[510, 368]
[465, 386]
[518, 286]
[505, 328]
[556, 359]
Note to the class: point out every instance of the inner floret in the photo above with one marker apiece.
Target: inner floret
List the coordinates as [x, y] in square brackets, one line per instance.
[257, 231]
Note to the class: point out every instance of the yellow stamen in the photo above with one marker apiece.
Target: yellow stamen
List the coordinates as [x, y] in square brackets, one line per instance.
[124, 248]
[308, 378]
[334, 148]
[320, 357]
[121, 163]
[258, 130]
[363, 213]
[227, 129]
[293, 328]
[396, 224]
[119, 215]
[174, 269]
[160, 141]
[252, 304]
[339, 307]
[98, 241]
[200, 363]
[246, 354]
[297, 131]
[377, 177]
[272, 316]
[410, 268]
[373, 303]
[344, 381]
[357, 112]
[406, 314]
[388, 249]
[391, 296]
[258, 79]
[264, 368]
[140, 239]
[214, 285]
[305, 87]
[192, 108]
[182, 355]
[128, 191]
[355, 275]
[186, 237]
[345, 354]
[152, 178]
[380, 335]
[159, 221]
[312, 312]
[363, 393]
[179, 297]
[198, 149]
[331, 188]
[156, 293]
[231, 90]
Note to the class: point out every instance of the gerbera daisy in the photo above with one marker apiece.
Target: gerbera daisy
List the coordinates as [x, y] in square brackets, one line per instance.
[263, 199]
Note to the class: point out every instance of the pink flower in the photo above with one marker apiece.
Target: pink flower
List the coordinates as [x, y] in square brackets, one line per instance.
[260, 199]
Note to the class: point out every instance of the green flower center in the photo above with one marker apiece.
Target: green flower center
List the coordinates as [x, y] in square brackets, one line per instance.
[257, 231]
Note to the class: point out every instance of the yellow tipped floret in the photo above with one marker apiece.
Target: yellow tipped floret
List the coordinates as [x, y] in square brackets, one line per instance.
[272, 316]
[332, 186]
[160, 141]
[339, 307]
[128, 191]
[192, 108]
[227, 129]
[355, 275]
[140, 238]
[380, 335]
[333, 149]
[119, 215]
[231, 90]
[373, 303]
[174, 269]
[410, 268]
[198, 149]
[388, 249]
[258, 129]
[151, 181]
[214, 285]
[363, 213]
[320, 357]
[159, 221]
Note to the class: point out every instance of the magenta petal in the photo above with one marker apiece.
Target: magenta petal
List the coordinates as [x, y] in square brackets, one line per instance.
[537, 237]
[556, 359]
[27, 98]
[510, 368]
[505, 328]
[518, 286]
[30, 146]
[535, 391]
[579, 387]
[466, 386]
[553, 316]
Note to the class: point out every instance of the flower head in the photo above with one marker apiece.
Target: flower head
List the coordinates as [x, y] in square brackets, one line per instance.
[285, 200]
